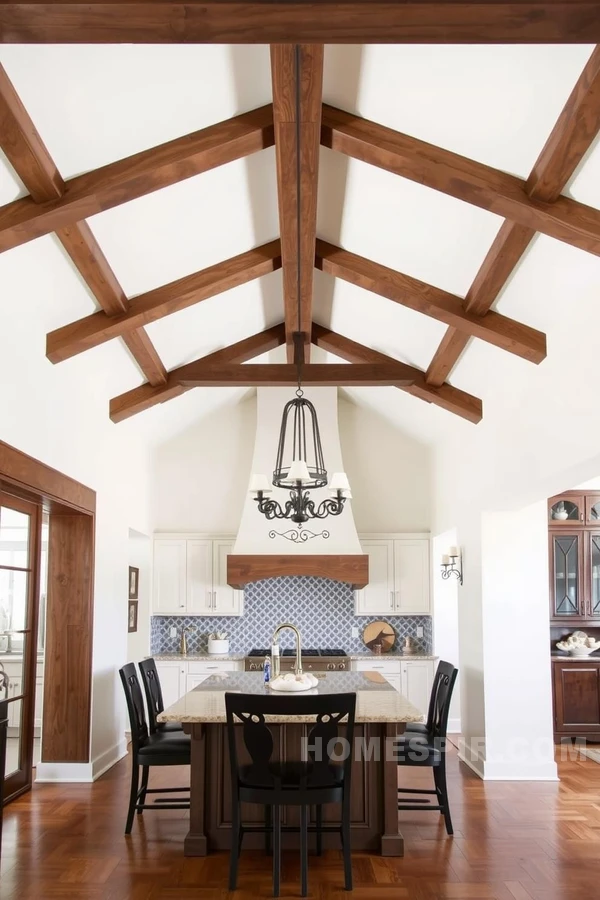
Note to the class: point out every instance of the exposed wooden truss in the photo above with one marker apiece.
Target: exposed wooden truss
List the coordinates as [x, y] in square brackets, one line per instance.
[137, 175]
[431, 301]
[163, 301]
[289, 21]
[297, 77]
[571, 138]
[30, 159]
[531, 206]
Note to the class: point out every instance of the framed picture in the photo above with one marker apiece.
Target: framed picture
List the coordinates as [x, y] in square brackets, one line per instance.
[134, 582]
[132, 616]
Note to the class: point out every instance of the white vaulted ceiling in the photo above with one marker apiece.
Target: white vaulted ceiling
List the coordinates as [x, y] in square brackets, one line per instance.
[495, 104]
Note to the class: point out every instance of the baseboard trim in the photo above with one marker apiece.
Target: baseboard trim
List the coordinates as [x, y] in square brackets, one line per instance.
[476, 765]
[80, 773]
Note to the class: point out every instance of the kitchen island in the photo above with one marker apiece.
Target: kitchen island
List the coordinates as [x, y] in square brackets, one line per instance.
[381, 715]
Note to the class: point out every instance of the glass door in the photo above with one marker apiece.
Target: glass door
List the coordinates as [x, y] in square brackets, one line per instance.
[20, 524]
[566, 550]
[594, 584]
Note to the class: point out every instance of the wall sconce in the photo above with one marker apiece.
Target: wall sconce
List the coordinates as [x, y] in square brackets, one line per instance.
[450, 566]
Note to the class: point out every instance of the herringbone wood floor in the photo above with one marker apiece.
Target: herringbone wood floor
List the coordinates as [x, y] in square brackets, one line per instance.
[513, 841]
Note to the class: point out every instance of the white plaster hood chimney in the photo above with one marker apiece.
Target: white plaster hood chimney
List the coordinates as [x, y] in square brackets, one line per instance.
[285, 556]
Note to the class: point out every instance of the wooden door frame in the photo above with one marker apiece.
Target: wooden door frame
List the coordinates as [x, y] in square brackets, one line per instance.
[67, 675]
[19, 782]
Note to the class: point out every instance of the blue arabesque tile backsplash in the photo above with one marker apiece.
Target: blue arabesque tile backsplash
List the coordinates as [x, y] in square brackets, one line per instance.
[322, 609]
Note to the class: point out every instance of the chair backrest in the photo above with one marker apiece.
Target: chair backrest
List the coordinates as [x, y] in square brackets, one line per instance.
[324, 748]
[153, 692]
[441, 695]
[135, 706]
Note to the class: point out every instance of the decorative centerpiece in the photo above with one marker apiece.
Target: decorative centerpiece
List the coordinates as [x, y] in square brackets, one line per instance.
[293, 683]
[218, 642]
[579, 644]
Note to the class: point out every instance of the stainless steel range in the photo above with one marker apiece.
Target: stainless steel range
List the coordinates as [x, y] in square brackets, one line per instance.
[326, 660]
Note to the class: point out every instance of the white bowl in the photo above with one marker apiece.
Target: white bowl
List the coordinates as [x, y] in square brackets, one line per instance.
[218, 646]
[582, 651]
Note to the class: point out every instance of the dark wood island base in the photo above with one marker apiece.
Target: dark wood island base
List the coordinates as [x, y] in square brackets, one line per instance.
[374, 811]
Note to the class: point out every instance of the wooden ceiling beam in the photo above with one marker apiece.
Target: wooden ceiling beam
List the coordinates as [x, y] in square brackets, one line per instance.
[297, 75]
[137, 175]
[32, 162]
[431, 301]
[569, 141]
[447, 397]
[99, 327]
[288, 21]
[146, 396]
[467, 180]
[286, 375]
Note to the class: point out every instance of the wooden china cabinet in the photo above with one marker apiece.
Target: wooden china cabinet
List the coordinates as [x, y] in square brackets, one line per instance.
[574, 535]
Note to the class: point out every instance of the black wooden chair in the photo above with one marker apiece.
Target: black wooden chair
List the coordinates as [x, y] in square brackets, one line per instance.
[428, 747]
[154, 698]
[160, 749]
[273, 784]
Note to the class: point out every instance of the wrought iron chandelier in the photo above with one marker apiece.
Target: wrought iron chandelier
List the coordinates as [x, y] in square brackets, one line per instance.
[299, 466]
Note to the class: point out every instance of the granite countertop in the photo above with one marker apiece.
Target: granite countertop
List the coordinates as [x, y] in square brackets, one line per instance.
[593, 656]
[376, 699]
[191, 657]
[393, 654]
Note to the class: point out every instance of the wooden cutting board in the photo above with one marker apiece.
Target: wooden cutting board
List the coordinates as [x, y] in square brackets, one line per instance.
[379, 632]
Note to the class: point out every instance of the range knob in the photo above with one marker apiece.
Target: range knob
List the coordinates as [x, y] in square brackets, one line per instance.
[341, 665]
[331, 665]
[252, 667]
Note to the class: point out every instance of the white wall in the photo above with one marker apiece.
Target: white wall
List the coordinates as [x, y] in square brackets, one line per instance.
[389, 472]
[200, 477]
[59, 414]
[444, 596]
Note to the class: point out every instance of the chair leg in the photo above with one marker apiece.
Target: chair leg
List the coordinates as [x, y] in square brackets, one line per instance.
[135, 774]
[235, 842]
[142, 800]
[319, 826]
[304, 850]
[276, 849]
[346, 846]
[268, 825]
[439, 774]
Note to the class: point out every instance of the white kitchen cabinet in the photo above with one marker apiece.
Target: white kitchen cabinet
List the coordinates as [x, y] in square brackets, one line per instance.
[169, 577]
[199, 574]
[227, 601]
[14, 709]
[172, 677]
[411, 577]
[416, 682]
[190, 577]
[398, 577]
[388, 668]
[377, 598]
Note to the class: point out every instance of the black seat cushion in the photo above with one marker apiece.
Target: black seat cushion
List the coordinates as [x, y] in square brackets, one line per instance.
[169, 727]
[418, 750]
[291, 774]
[415, 728]
[171, 743]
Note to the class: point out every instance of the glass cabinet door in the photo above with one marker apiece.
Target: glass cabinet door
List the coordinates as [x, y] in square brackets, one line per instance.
[566, 574]
[566, 510]
[594, 586]
[592, 510]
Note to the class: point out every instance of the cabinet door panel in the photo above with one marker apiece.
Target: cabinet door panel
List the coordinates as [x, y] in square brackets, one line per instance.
[226, 600]
[169, 577]
[566, 552]
[170, 681]
[199, 578]
[377, 598]
[417, 678]
[577, 697]
[593, 574]
[411, 568]
[592, 509]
